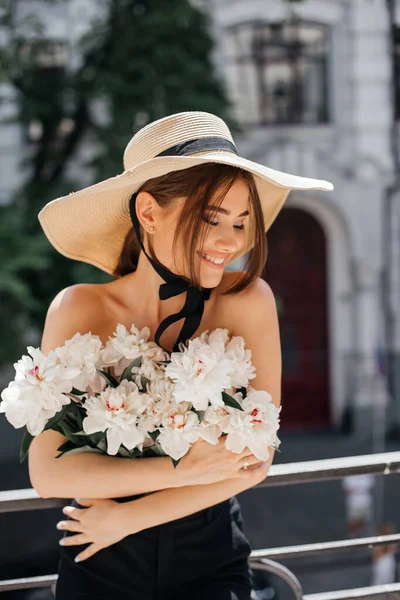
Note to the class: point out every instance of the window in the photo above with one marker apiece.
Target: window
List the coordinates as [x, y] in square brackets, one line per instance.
[277, 72]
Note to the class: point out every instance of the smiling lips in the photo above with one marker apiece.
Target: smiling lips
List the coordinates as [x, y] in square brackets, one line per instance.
[213, 260]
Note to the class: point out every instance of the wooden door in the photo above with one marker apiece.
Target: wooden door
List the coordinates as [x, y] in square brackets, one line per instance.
[296, 270]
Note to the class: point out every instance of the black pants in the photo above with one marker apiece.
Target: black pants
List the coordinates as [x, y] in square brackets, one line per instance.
[201, 557]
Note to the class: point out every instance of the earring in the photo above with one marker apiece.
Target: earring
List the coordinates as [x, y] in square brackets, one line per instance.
[151, 228]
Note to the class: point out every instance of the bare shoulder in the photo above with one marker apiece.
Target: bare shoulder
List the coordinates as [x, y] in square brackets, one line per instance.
[252, 314]
[254, 305]
[76, 309]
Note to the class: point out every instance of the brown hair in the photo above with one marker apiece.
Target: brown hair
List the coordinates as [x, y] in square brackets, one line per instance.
[200, 185]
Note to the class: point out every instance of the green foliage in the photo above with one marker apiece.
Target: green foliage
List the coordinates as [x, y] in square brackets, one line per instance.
[150, 62]
[141, 63]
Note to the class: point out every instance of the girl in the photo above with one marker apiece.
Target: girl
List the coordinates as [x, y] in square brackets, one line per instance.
[184, 208]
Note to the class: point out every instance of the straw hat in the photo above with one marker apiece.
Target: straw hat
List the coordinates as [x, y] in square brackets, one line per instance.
[90, 225]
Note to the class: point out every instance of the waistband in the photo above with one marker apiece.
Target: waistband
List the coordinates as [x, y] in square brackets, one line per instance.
[208, 513]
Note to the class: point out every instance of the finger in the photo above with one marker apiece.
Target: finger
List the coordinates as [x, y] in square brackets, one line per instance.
[74, 540]
[73, 513]
[249, 463]
[244, 454]
[90, 551]
[86, 501]
[70, 525]
[254, 473]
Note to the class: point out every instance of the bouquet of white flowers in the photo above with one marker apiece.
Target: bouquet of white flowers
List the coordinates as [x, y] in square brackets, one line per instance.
[132, 399]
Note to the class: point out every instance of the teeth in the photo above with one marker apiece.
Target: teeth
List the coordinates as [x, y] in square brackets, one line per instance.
[217, 261]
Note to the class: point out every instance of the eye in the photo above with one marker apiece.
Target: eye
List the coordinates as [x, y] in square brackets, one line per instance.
[215, 223]
[210, 221]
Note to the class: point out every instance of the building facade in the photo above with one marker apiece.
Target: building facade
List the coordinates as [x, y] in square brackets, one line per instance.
[311, 84]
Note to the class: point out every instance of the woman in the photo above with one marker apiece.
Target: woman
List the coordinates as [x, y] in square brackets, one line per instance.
[185, 206]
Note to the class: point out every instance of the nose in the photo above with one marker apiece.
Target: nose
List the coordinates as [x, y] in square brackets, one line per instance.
[227, 240]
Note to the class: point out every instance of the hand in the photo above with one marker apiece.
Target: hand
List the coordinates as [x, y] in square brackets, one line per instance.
[206, 463]
[99, 524]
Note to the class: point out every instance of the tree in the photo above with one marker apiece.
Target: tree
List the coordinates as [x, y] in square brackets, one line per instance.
[139, 63]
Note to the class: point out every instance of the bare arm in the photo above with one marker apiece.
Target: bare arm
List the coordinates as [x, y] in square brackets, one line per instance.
[78, 309]
[177, 503]
[95, 475]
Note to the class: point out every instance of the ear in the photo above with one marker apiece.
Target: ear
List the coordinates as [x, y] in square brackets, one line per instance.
[146, 209]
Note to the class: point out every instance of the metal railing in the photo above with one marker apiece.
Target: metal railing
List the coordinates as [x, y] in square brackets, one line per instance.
[286, 474]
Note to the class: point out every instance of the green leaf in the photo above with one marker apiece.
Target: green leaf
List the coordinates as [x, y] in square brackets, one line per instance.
[136, 453]
[127, 374]
[154, 435]
[102, 444]
[109, 378]
[155, 450]
[229, 401]
[243, 391]
[72, 433]
[144, 381]
[81, 449]
[76, 392]
[66, 447]
[175, 462]
[199, 413]
[97, 438]
[25, 443]
[58, 417]
[124, 452]
[78, 413]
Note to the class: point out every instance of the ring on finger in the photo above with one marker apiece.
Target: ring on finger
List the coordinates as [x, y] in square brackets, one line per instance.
[245, 464]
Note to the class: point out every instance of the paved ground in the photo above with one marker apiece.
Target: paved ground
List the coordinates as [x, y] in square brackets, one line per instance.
[273, 517]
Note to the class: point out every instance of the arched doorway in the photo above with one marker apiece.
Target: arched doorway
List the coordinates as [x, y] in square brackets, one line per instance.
[296, 270]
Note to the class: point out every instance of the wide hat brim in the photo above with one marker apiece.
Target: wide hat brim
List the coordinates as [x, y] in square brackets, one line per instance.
[90, 225]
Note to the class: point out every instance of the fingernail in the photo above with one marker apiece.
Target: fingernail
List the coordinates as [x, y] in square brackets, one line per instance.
[62, 542]
[59, 526]
[77, 559]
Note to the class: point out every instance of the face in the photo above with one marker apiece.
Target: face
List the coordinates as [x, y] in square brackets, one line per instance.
[226, 234]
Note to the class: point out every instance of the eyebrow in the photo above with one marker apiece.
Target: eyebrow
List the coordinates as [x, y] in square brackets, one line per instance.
[219, 209]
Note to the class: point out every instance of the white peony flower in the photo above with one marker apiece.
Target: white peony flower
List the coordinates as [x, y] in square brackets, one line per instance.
[150, 370]
[200, 373]
[218, 339]
[124, 346]
[161, 402]
[83, 352]
[179, 430]
[38, 391]
[241, 368]
[210, 427]
[255, 427]
[117, 411]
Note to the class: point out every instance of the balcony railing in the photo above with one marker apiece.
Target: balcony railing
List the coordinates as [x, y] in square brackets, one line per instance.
[265, 559]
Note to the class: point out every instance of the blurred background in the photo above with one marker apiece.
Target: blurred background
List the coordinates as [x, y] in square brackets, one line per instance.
[310, 87]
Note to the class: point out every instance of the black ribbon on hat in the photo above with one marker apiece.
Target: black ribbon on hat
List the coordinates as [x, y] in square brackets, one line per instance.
[206, 144]
[175, 285]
